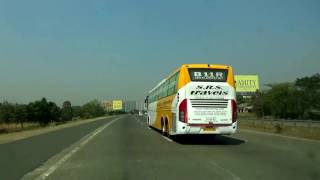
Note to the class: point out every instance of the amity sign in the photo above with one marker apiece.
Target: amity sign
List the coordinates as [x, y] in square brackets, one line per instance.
[247, 83]
[117, 105]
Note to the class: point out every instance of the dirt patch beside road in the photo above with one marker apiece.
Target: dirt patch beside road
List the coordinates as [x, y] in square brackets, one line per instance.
[11, 137]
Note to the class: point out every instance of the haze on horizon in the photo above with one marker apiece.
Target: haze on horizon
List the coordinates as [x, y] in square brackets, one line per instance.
[121, 49]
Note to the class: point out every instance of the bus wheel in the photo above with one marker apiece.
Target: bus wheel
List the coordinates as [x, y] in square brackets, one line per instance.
[163, 128]
[167, 128]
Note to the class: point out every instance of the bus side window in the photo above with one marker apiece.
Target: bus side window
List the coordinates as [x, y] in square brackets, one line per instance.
[161, 91]
[171, 86]
[165, 89]
[176, 82]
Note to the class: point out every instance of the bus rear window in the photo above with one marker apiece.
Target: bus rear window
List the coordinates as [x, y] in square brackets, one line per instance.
[208, 75]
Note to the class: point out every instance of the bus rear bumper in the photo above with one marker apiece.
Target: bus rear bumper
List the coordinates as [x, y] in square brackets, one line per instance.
[206, 129]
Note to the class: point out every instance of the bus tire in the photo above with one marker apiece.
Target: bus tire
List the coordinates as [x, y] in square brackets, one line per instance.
[213, 137]
[148, 121]
[163, 128]
[167, 128]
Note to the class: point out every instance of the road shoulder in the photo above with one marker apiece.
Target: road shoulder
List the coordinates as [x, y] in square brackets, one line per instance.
[12, 137]
[56, 161]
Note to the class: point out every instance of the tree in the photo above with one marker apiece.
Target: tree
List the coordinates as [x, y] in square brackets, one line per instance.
[309, 91]
[41, 112]
[6, 112]
[31, 116]
[92, 109]
[76, 111]
[66, 112]
[258, 104]
[240, 99]
[281, 100]
[55, 112]
[20, 114]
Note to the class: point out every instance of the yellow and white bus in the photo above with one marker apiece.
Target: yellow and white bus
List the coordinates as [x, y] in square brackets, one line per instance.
[194, 99]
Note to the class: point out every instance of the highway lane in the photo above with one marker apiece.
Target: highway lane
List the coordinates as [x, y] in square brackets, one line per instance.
[128, 149]
[20, 157]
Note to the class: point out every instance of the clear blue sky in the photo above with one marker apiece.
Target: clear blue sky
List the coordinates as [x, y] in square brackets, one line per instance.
[82, 50]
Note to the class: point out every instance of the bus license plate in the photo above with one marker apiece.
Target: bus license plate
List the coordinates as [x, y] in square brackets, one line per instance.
[209, 129]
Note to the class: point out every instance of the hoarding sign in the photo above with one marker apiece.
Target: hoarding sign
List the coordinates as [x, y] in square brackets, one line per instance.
[247, 83]
[117, 105]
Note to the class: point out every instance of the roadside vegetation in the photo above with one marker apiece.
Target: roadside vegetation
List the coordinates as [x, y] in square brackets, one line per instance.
[17, 117]
[289, 100]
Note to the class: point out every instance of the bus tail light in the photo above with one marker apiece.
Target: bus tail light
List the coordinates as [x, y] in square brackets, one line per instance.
[183, 111]
[234, 111]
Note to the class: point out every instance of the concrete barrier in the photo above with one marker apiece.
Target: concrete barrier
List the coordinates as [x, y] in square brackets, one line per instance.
[298, 128]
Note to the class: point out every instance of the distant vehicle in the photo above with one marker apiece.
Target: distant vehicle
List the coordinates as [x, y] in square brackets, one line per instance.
[194, 99]
[140, 113]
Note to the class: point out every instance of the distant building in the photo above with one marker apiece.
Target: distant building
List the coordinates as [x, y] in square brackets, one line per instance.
[129, 106]
[245, 108]
[107, 105]
[140, 106]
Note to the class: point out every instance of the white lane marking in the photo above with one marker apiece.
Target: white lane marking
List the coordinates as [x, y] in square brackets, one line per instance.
[278, 135]
[139, 121]
[168, 139]
[83, 142]
[217, 166]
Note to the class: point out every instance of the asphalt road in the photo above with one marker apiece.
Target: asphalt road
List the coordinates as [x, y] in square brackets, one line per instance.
[20, 157]
[125, 148]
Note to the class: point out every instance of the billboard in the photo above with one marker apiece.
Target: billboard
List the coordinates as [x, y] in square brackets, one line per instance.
[247, 83]
[117, 105]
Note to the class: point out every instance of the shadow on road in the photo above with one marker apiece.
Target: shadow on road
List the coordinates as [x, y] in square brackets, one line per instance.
[207, 140]
[203, 139]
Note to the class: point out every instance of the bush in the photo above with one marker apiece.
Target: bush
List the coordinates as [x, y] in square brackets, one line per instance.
[44, 112]
[92, 109]
[290, 100]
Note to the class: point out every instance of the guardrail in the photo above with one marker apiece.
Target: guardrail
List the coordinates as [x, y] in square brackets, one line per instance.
[284, 122]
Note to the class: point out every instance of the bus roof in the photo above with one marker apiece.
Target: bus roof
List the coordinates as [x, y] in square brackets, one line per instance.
[221, 66]
[164, 80]
[218, 66]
